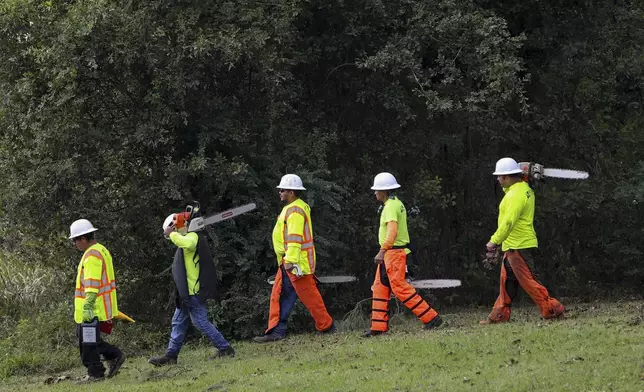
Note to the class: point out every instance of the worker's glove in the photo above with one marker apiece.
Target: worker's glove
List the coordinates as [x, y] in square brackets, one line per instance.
[491, 255]
[294, 269]
[168, 230]
[297, 271]
[88, 307]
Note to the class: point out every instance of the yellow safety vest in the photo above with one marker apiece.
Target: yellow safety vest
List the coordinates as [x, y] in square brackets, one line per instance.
[96, 275]
[293, 236]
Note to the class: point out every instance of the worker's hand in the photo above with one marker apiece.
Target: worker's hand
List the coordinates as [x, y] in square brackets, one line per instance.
[293, 268]
[491, 247]
[491, 255]
[168, 230]
[88, 311]
[380, 257]
[297, 271]
[88, 307]
[88, 315]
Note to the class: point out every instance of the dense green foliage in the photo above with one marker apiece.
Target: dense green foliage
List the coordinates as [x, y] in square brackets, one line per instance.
[124, 111]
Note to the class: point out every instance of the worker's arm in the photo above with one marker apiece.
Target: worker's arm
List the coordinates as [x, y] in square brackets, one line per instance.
[92, 273]
[509, 218]
[294, 236]
[390, 216]
[392, 233]
[390, 239]
[187, 242]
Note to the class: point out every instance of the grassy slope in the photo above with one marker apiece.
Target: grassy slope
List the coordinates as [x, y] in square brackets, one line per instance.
[599, 347]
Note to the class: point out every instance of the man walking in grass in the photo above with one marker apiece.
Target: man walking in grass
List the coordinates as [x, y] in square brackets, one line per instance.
[516, 236]
[195, 279]
[296, 261]
[391, 262]
[95, 300]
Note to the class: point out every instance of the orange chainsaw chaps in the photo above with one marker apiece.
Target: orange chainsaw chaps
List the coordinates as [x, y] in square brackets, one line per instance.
[307, 291]
[521, 275]
[395, 266]
[274, 309]
[502, 306]
[380, 302]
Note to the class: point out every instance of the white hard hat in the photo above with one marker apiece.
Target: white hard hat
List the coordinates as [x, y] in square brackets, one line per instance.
[80, 227]
[168, 221]
[291, 182]
[506, 166]
[385, 182]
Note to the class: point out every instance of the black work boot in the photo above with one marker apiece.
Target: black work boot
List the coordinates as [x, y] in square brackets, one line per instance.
[226, 352]
[271, 337]
[434, 323]
[369, 333]
[114, 365]
[163, 360]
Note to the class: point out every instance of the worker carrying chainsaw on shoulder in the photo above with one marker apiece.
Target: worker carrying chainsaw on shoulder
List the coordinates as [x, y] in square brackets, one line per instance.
[195, 278]
[95, 301]
[295, 251]
[516, 238]
[391, 262]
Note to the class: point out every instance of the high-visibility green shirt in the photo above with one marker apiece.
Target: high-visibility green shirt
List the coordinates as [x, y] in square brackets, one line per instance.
[516, 218]
[188, 244]
[394, 210]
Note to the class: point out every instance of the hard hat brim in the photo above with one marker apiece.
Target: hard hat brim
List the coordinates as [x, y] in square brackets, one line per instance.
[385, 188]
[291, 188]
[507, 173]
[93, 229]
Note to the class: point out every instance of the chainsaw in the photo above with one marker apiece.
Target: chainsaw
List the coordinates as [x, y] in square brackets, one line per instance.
[535, 172]
[418, 284]
[321, 279]
[434, 283]
[198, 223]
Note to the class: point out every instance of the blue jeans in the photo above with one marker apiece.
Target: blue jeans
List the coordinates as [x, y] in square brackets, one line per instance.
[195, 311]
[287, 302]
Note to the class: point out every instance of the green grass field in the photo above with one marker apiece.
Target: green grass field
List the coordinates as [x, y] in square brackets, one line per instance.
[599, 347]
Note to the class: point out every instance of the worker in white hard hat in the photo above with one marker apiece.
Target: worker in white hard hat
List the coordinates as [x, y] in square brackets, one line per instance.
[516, 238]
[195, 279]
[391, 262]
[295, 250]
[95, 300]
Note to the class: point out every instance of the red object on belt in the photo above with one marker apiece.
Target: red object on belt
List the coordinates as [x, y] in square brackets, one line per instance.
[106, 326]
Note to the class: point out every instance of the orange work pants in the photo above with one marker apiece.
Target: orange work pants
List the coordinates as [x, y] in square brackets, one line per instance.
[390, 276]
[517, 270]
[307, 291]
